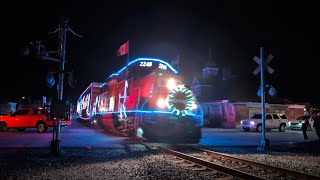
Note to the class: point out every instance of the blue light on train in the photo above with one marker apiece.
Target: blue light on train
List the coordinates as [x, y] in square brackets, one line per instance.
[115, 74]
[102, 85]
[144, 59]
[146, 111]
[152, 59]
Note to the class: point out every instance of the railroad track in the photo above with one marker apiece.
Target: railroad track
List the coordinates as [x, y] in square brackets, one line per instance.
[223, 166]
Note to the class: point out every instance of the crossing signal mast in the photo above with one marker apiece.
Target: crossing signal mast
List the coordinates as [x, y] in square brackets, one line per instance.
[263, 66]
[62, 30]
[59, 107]
[42, 53]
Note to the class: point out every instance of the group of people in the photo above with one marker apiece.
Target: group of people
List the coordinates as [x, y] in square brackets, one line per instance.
[316, 125]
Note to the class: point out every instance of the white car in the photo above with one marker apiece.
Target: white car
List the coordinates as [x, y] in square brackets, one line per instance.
[272, 121]
[297, 124]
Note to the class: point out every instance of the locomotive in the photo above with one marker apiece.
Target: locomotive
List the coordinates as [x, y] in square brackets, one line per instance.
[145, 99]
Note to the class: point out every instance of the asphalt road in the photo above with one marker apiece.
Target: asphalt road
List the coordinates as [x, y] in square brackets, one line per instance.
[76, 135]
[80, 136]
[238, 137]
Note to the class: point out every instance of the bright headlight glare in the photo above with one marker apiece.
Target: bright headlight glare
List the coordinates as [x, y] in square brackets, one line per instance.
[171, 84]
[252, 122]
[161, 103]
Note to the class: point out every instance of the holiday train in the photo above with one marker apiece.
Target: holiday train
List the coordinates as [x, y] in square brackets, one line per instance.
[145, 99]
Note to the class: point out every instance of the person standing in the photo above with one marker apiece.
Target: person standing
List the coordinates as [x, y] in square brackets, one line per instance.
[316, 124]
[304, 128]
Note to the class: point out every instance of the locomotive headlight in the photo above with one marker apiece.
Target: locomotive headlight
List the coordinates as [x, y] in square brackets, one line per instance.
[161, 103]
[171, 84]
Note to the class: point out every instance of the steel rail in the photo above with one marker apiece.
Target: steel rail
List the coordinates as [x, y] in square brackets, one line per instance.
[211, 165]
[289, 172]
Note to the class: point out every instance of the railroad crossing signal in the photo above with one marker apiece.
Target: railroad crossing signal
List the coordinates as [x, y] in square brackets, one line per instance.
[266, 67]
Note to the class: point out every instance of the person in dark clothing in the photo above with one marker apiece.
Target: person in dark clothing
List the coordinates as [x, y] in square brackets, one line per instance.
[304, 128]
[316, 124]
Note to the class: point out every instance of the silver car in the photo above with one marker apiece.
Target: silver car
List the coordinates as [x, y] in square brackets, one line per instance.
[297, 124]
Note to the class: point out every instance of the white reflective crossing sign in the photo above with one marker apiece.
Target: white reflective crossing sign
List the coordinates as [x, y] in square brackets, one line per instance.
[266, 67]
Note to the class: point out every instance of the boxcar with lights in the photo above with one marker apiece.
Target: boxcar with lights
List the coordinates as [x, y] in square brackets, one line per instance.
[145, 99]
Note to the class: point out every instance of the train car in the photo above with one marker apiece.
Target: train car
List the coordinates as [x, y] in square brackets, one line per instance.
[86, 101]
[145, 99]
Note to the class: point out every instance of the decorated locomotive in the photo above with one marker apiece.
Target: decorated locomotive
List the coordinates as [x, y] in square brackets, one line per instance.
[145, 99]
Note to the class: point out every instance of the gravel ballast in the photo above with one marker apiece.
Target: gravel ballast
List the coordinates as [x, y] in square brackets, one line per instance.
[131, 162]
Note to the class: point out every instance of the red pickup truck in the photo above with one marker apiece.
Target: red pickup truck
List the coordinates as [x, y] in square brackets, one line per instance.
[30, 118]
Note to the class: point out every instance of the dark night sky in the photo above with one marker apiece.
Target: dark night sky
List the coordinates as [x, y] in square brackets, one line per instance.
[163, 29]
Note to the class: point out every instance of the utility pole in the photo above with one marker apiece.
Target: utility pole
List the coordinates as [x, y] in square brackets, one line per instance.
[55, 145]
[62, 53]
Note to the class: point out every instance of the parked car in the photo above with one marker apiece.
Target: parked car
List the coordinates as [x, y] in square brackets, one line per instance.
[297, 124]
[272, 121]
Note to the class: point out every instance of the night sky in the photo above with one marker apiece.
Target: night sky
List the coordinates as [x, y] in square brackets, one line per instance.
[162, 29]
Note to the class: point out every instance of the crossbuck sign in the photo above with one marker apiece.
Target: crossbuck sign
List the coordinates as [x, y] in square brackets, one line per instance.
[266, 67]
